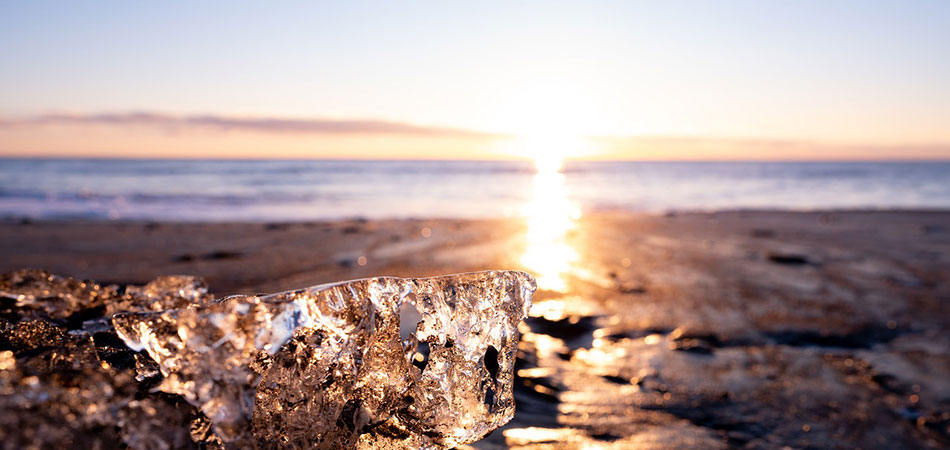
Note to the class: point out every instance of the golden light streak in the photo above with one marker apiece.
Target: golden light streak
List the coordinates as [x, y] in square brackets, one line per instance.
[549, 216]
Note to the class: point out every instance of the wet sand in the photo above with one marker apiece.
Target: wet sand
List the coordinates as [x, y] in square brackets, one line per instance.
[733, 329]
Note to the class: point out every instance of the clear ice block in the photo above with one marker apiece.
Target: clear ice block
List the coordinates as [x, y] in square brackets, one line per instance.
[333, 365]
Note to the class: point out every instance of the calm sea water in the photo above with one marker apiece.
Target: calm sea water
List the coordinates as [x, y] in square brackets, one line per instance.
[297, 190]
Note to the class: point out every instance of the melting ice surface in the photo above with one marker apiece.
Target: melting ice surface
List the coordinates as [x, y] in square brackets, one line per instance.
[328, 365]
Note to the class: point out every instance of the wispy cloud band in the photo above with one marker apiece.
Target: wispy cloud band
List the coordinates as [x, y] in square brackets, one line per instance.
[179, 123]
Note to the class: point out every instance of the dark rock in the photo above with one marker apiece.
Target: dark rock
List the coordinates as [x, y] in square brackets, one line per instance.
[788, 259]
[630, 288]
[697, 346]
[568, 328]
[615, 379]
[862, 338]
[222, 254]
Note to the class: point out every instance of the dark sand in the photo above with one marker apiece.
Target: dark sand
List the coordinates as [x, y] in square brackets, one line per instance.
[758, 329]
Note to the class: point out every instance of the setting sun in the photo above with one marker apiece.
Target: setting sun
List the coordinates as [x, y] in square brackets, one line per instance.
[548, 151]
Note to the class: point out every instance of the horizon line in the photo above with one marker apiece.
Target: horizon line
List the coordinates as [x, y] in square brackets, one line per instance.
[471, 160]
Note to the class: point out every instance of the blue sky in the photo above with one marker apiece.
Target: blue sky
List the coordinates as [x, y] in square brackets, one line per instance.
[842, 72]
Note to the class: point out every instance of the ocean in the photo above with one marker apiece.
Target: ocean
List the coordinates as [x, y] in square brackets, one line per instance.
[200, 190]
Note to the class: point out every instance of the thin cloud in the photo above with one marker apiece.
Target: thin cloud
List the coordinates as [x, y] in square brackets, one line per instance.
[719, 148]
[704, 140]
[178, 123]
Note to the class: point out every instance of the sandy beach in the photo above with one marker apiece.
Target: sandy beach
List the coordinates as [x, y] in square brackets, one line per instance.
[741, 329]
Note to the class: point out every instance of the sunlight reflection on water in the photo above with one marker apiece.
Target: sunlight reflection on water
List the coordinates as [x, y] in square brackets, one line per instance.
[549, 217]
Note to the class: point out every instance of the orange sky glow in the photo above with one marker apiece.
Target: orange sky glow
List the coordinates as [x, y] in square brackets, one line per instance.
[123, 137]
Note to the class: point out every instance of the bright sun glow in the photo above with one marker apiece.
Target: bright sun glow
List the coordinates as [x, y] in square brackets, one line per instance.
[549, 151]
[550, 118]
[549, 216]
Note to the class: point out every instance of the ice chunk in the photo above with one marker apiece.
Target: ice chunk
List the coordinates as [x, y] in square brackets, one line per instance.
[327, 365]
[41, 295]
[167, 292]
[64, 388]
[370, 363]
[66, 379]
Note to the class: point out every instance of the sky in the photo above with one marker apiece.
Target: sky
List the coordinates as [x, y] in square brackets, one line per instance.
[476, 80]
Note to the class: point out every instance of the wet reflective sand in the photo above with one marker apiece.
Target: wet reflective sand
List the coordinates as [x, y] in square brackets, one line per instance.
[705, 333]
[549, 216]
[759, 329]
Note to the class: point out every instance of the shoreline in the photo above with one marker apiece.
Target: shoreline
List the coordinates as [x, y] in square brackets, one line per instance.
[6, 220]
[229, 252]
